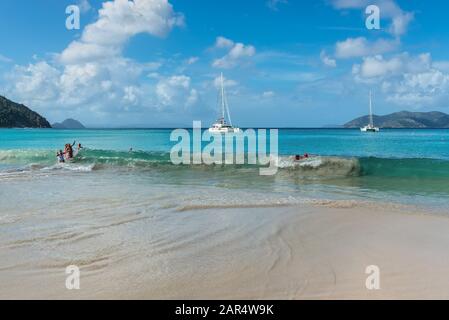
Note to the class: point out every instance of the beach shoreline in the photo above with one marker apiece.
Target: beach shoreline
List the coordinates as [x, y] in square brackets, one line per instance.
[291, 252]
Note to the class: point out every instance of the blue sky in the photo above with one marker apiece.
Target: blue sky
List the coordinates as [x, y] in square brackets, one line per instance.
[287, 63]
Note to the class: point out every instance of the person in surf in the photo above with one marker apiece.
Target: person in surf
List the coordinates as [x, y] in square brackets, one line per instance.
[68, 150]
[78, 149]
[298, 157]
[60, 156]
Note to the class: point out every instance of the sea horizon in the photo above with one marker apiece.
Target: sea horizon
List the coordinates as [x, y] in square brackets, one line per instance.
[242, 127]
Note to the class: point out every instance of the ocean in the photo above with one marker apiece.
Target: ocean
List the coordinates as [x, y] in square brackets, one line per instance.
[139, 226]
[404, 166]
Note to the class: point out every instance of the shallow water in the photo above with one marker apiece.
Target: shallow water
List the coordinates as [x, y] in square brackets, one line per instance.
[405, 166]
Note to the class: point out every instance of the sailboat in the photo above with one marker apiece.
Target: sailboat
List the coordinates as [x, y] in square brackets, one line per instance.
[370, 126]
[221, 125]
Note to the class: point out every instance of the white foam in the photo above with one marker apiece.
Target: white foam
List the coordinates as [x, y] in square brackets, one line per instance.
[70, 167]
[321, 166]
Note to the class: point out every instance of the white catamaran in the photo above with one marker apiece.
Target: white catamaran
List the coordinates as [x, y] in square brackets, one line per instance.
[221, 126]
[370, 127]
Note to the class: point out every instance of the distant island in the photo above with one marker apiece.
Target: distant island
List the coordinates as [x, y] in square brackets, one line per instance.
[68, 124]
[14, 115]
[404, 119]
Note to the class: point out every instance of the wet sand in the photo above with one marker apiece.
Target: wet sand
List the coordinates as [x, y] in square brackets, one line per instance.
[286, 252]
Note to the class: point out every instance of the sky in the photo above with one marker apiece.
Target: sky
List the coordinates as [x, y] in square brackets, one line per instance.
[156, 63]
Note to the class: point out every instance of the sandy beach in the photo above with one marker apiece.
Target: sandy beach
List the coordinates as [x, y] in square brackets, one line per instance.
[291, 252]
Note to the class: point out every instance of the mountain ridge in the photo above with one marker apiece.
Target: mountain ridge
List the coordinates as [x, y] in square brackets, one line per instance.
[404, 119]
[15, 115]
[68, 124]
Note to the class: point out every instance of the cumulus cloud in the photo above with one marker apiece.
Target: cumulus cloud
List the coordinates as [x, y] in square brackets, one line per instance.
[427, 88]
[117, 22]
[92, 73]
[326, 60]
[237, 52]
[131, 95]
[84, 6]
[176, 91]
[378, 66]
[38, 81]
[389, 9]
[359, 47]
[222, 42]
[406, 80]
[400, 23]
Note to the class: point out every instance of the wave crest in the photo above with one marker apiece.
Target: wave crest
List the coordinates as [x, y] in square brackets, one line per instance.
[316, 166]
[322, 166]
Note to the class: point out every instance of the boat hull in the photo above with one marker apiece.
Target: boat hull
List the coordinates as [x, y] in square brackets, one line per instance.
[369, 129]
[224, 130]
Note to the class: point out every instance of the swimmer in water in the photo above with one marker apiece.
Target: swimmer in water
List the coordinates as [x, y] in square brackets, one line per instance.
[60, 156]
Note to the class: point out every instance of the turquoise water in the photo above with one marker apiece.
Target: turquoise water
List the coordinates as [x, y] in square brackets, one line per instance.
[406, 166]
[414, 144]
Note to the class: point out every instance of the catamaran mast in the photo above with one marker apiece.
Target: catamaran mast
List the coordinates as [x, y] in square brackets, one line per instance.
[370, 110]
[227, 107]
[224, 101]
[222, 98]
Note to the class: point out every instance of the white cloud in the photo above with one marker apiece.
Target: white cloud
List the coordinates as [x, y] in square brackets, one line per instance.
[377, 66]
[268, 94]
[222, 42]
[84, 6]
[389, 9]
[38, 82]
[326, 60]
[421, 89]
[228, 83]
[118, 21]
[359, 47]
[237, 53]
[91, 73]
[176, 91]
[441, 65]
[406, 80]
[400, 23]
[80, 52]
[192, 60]
[131, 95]
[153, 75]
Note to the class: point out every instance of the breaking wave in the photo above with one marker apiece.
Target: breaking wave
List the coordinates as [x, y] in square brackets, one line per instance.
[315, 166]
